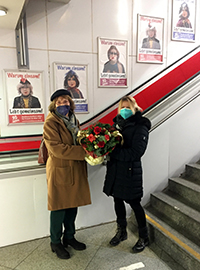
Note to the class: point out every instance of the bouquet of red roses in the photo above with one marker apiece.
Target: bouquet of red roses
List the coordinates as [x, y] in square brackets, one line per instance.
[99, 140]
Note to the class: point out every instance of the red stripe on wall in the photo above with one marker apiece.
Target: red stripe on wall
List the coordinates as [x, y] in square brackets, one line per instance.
[145, 98]
[18, 146]
[163, 86]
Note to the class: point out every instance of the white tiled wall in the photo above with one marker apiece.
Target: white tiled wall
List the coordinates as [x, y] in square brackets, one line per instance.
[68, 34]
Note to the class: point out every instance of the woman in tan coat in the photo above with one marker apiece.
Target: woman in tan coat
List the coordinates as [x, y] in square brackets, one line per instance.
[66, 173]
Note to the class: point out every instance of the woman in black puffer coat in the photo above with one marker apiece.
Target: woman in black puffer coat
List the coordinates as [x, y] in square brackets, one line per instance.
[124, 170]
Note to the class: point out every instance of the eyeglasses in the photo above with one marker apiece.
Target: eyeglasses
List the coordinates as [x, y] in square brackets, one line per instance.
[113, 53]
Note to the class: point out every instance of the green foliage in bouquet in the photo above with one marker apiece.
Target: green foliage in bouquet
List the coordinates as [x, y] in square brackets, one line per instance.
[99, 139]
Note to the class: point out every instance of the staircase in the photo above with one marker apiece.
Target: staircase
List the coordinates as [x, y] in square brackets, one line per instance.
[173, 217]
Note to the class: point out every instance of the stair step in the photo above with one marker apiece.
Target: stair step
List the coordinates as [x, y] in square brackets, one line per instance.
[176, 245]
[185, 191]
[192, 173]
[175, 213]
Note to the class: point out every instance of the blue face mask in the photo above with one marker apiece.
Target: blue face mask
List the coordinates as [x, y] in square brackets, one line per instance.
[126, 113]
[64, 109]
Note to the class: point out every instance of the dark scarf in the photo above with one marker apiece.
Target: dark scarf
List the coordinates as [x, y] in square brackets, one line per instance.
[70, 123]
[75, 93]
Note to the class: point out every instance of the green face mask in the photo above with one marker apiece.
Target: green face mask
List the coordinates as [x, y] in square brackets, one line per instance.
[126, 113]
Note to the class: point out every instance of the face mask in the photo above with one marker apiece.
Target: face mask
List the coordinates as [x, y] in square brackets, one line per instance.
[126, 113]
[64, 109]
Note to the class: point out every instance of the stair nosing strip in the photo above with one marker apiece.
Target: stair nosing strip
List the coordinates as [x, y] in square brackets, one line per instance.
[173, 237]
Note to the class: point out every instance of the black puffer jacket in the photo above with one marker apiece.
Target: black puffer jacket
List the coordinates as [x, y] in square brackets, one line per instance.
[124, 170]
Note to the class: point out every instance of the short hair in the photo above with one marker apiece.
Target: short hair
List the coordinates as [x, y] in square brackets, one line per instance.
[132, 102]
[52, 106]
[112, 47]
[184, 6]
[71, 74]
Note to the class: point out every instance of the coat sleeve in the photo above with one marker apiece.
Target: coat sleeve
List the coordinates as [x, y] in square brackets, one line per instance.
[138, 145]
[57, 148]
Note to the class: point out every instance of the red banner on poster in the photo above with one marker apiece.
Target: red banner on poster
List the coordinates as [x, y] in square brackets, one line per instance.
[26, 118]
[113, 82]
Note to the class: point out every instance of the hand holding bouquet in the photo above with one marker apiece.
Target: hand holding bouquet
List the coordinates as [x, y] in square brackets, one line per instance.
[98, 141]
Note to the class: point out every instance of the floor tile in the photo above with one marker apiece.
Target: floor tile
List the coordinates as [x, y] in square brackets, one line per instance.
[99, 254]
[113, 259]
[44, 259]
[4, 268]
[11, 256]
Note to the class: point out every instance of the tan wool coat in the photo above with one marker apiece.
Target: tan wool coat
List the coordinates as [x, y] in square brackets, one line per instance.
[66, 168]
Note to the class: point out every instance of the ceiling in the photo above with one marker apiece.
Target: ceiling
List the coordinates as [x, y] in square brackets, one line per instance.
[15, 8]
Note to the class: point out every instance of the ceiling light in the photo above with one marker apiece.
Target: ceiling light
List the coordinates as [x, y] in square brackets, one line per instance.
[3, 11]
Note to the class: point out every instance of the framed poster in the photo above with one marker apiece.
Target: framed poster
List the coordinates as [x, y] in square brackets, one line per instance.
[24, 93]
[112, 63]
[150, 39]
[73, 77]
[183, 20]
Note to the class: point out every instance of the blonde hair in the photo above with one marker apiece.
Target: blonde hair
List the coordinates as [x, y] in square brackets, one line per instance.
[132, 103]
[52, 105]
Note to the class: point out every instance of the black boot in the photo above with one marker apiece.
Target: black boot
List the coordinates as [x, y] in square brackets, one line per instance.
[143, 240]
[140, 245]
[60, 251]
[74, 243]
[121, 235]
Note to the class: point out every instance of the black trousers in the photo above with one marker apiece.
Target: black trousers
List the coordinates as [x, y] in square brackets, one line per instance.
[59, 218]
[120, 211]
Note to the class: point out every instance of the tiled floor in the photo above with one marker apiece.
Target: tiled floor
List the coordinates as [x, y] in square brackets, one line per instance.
[99, 255]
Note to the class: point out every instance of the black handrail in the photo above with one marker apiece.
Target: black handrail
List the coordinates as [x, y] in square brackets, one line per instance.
[113, 104]
[140, 86]
[171, 92]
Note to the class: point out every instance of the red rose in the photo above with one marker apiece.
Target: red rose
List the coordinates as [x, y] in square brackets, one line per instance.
[97, 130]
[101, 144]
[107, 137]
[91, 138]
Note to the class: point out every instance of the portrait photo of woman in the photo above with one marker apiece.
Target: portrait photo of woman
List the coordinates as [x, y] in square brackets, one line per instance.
[151, 42]
[71, 83]
[113, 65]
[26, 98]
[184, 14]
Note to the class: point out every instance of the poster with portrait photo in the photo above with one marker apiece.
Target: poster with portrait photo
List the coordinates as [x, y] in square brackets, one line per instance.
[24, 93]
[112, 63]
[150, 39]
[73, 77]
[183, 20]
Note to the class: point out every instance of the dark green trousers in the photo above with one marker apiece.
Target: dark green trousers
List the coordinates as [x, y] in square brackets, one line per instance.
[60, 218]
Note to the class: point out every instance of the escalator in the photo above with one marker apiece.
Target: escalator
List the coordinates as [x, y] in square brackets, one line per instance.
[173, 107]
[148, 95]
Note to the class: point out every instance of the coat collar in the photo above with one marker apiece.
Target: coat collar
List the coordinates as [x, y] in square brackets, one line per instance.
[136, 119]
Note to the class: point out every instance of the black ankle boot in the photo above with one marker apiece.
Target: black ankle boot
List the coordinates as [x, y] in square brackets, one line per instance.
[60, 251]
[121, 235]
[74, 243]
[140, 245]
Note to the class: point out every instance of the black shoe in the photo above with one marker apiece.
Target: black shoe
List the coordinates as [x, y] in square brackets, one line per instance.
[60, 251]
[140, 245]
[74, 243]
[121, 235]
